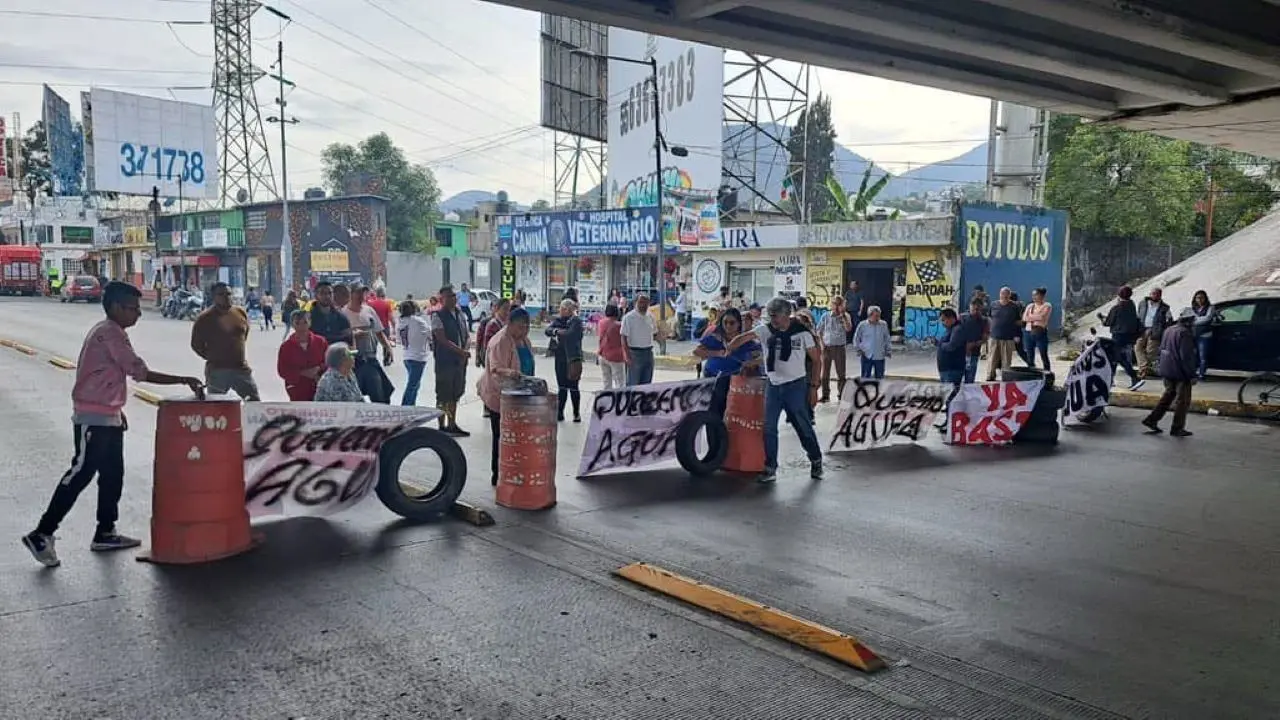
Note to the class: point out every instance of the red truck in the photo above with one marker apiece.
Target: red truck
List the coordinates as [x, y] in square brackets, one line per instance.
[20, 272]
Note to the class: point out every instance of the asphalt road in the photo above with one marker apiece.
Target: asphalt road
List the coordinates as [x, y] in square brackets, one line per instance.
[1117, 575]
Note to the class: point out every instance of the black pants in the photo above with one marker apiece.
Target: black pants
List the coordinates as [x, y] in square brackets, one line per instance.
[98, 451]
[495, 426]
[568, 388]
[466, 310]
[373, 381]
[267, 317]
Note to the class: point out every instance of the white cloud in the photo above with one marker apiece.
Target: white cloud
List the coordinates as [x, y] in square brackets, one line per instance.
[475, 121]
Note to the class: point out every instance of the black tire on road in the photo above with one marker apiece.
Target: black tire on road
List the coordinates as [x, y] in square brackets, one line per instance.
[1038, 433]
[1021, 374]
[442, 496]
[687, 443]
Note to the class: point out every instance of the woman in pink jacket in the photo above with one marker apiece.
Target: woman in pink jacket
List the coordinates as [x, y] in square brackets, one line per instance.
[509, 355]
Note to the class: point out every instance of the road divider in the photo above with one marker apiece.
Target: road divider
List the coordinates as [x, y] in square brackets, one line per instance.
[147, 396]
[472, 514]
[62, 362]
[796, 630]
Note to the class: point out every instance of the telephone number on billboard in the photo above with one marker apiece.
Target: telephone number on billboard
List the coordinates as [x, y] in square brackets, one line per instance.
[162, 163]
[675, 88]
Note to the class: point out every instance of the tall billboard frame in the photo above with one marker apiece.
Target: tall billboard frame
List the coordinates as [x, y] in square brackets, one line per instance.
[575, 106]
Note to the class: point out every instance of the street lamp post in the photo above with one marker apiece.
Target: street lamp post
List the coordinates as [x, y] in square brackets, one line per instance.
[652, 64]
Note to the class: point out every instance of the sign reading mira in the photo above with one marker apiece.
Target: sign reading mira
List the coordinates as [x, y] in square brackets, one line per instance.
[1011, 245]
[596, 232]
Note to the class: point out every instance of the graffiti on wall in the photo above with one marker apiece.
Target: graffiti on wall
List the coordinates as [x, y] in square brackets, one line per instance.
[1098, 265]
[823, 285]
[931, 286]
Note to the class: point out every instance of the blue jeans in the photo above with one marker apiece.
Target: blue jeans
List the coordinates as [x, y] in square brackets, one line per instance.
[640, 370]
[793, 397]
[872, 368]
[1031, 342]
[971, 368]
[1202, 345]
[411, 386]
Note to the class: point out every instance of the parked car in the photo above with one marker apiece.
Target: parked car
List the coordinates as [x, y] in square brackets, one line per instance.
[82, 288]
[1246, 335]
[483, 303]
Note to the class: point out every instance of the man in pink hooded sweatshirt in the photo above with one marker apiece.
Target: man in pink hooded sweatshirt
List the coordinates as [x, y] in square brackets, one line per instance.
[106, 361]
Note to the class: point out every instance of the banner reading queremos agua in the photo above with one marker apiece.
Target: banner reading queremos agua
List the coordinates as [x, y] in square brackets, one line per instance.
[879, 413]
[315, 458]
[636, 426]
[1088, 384]
[991, 413]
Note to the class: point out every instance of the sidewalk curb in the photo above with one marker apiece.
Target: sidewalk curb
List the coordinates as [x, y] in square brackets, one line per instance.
[62, 362]
[1147, 401]
[663, 362]
[147, 396]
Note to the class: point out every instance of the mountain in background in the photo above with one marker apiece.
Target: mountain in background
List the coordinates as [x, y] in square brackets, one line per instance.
[752, 153]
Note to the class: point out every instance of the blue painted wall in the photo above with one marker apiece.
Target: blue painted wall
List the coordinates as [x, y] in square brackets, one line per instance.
[1021, 247]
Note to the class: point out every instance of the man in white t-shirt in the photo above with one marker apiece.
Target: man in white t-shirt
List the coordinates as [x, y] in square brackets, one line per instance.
[684, 318]
[786, 345]
[638, 333]
[368, 333]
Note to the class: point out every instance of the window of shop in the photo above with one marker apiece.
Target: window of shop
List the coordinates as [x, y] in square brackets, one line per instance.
[444, 237]
[212, 221]
[71, 267]
[756, 283]
[559, 279]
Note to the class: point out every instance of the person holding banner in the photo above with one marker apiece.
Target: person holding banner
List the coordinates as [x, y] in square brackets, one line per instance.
[792, 388]
[712, 348]
[508, 356]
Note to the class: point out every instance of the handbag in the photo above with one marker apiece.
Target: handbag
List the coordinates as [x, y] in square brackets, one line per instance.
[575, 370]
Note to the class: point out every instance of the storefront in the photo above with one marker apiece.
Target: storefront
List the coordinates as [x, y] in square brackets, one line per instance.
[760, 261]
[906, 267]
[592, 251]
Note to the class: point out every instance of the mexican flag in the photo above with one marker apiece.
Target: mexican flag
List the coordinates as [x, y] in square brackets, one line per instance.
[787, 186]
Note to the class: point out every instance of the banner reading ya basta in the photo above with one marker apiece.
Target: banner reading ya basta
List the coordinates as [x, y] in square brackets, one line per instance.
[880, 413]
[636, 427]
[313, 459]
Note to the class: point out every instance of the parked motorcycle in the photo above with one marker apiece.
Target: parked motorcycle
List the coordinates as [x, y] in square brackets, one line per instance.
[192, 307]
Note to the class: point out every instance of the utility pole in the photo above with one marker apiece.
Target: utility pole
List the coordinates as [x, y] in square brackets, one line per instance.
[1208, 218]
[286, 238]
[182, 240]
[662, 240]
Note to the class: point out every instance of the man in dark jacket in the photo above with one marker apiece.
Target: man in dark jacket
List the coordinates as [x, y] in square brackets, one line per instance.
[1005, 330]
[1125, 326]
[1154, 315]
[1178, 363]
[975, 327]
[951, 349]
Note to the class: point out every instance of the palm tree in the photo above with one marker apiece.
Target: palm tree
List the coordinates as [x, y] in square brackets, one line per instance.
[847, 206]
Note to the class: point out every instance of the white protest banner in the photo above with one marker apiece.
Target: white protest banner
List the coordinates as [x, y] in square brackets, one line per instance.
[991, 413]
[317, 458]
[636, 426]
[1088, 384]
[878, 413]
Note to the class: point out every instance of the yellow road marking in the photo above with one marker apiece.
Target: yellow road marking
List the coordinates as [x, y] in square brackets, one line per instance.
[805, 633]
[62, 362]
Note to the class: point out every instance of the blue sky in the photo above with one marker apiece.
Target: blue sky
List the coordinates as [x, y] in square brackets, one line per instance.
[454, 82]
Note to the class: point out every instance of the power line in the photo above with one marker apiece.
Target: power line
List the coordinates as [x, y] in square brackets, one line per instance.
[38, 83]
[99, 18]
[140, 71]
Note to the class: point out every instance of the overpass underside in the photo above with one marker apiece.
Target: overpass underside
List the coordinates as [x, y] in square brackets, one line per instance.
[1192, 69]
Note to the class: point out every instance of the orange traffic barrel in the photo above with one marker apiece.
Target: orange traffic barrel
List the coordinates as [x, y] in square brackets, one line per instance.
[197, 499]
[744, 417]
[527, 452]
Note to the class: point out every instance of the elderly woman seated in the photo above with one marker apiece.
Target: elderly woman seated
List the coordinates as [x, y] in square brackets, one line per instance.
[338, 383]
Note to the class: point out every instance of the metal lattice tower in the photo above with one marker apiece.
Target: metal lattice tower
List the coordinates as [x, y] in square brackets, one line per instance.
[244, 165]
[763, 99]
[579, 172]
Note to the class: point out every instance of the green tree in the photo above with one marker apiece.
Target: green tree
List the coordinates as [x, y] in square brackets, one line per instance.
[1123, 183]
[846, 206]
[412, 190]
[1241, 186]
[540, 206]
[37, 175]
[811, 146]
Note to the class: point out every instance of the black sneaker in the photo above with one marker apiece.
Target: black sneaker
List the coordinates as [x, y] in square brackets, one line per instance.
[1152, 428]
[456, 431]
[41, 548]
[1137, 385]
[109, 541]
[1181, 432]
[768, 477]
[815, 471]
